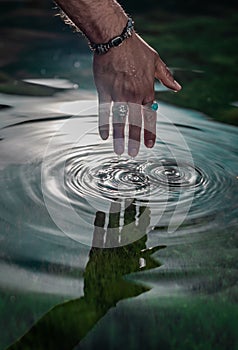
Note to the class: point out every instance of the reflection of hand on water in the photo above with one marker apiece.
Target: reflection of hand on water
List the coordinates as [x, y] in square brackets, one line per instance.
[110, 265]
[65, 325]
[127, 222]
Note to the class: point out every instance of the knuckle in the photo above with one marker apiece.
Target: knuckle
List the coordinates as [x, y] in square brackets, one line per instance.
[149, 98]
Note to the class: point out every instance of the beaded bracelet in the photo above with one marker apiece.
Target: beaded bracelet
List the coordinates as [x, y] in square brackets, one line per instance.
[114, 42]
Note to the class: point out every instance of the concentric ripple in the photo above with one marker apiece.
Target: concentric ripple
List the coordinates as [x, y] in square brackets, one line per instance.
[174, 173]
[112, 179]
[122, 177]
[180, 182]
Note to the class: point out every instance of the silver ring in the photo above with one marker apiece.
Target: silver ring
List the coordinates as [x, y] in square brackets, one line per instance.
[120, 110]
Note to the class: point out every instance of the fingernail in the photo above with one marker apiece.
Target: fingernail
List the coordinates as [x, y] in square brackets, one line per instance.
[177, 85]
[133, 152]
[104, 134]
[150, 143]
[119, 150]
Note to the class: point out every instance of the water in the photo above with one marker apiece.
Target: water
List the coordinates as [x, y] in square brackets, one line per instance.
[169, 215]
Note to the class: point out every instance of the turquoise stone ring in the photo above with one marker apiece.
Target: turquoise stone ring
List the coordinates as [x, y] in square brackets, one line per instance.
[154, 106]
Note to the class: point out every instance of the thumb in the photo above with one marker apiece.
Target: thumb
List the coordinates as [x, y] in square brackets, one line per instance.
[163, 74]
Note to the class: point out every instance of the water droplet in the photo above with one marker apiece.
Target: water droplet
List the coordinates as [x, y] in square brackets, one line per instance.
[77, 64]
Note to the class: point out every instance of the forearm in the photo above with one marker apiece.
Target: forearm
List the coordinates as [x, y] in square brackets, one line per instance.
[99, 20]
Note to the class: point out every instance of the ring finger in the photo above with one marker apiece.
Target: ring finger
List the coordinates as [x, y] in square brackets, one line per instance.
[150, 117]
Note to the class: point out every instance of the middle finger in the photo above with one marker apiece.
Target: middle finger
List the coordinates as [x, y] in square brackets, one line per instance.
[135, 120]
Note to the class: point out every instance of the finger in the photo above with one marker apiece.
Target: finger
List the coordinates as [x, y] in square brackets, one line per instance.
[150, 117]
[119, 114]
[112, 236]
[129, 233]
[165, 76]
[135, 120]
[114, 215]
[144, 218]
[130, 212]
[132, 231]
[98, 229]
[149, 251]
[104, 109]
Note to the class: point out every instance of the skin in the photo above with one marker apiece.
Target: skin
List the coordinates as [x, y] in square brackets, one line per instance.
[124, 74]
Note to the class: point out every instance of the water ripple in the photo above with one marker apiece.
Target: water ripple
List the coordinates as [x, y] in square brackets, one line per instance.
[197, 183]
[91, 176]
[122, 177]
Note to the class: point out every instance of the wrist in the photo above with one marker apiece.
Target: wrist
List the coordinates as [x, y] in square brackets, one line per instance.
[103, 48]
[98, 20]
[107, 27]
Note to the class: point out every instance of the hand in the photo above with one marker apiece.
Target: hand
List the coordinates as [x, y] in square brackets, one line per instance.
[136, 221]
[126, 74]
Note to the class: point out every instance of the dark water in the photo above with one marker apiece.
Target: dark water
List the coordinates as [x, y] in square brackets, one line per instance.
[169, 217]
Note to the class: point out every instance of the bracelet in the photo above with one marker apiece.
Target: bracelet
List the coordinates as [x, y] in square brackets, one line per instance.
[114, 42]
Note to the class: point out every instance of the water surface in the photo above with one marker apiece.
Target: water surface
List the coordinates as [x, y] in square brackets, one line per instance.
[65, 196]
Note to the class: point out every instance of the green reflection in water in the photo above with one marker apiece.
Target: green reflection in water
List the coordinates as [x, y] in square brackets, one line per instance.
[104, 284]
[159, 321]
